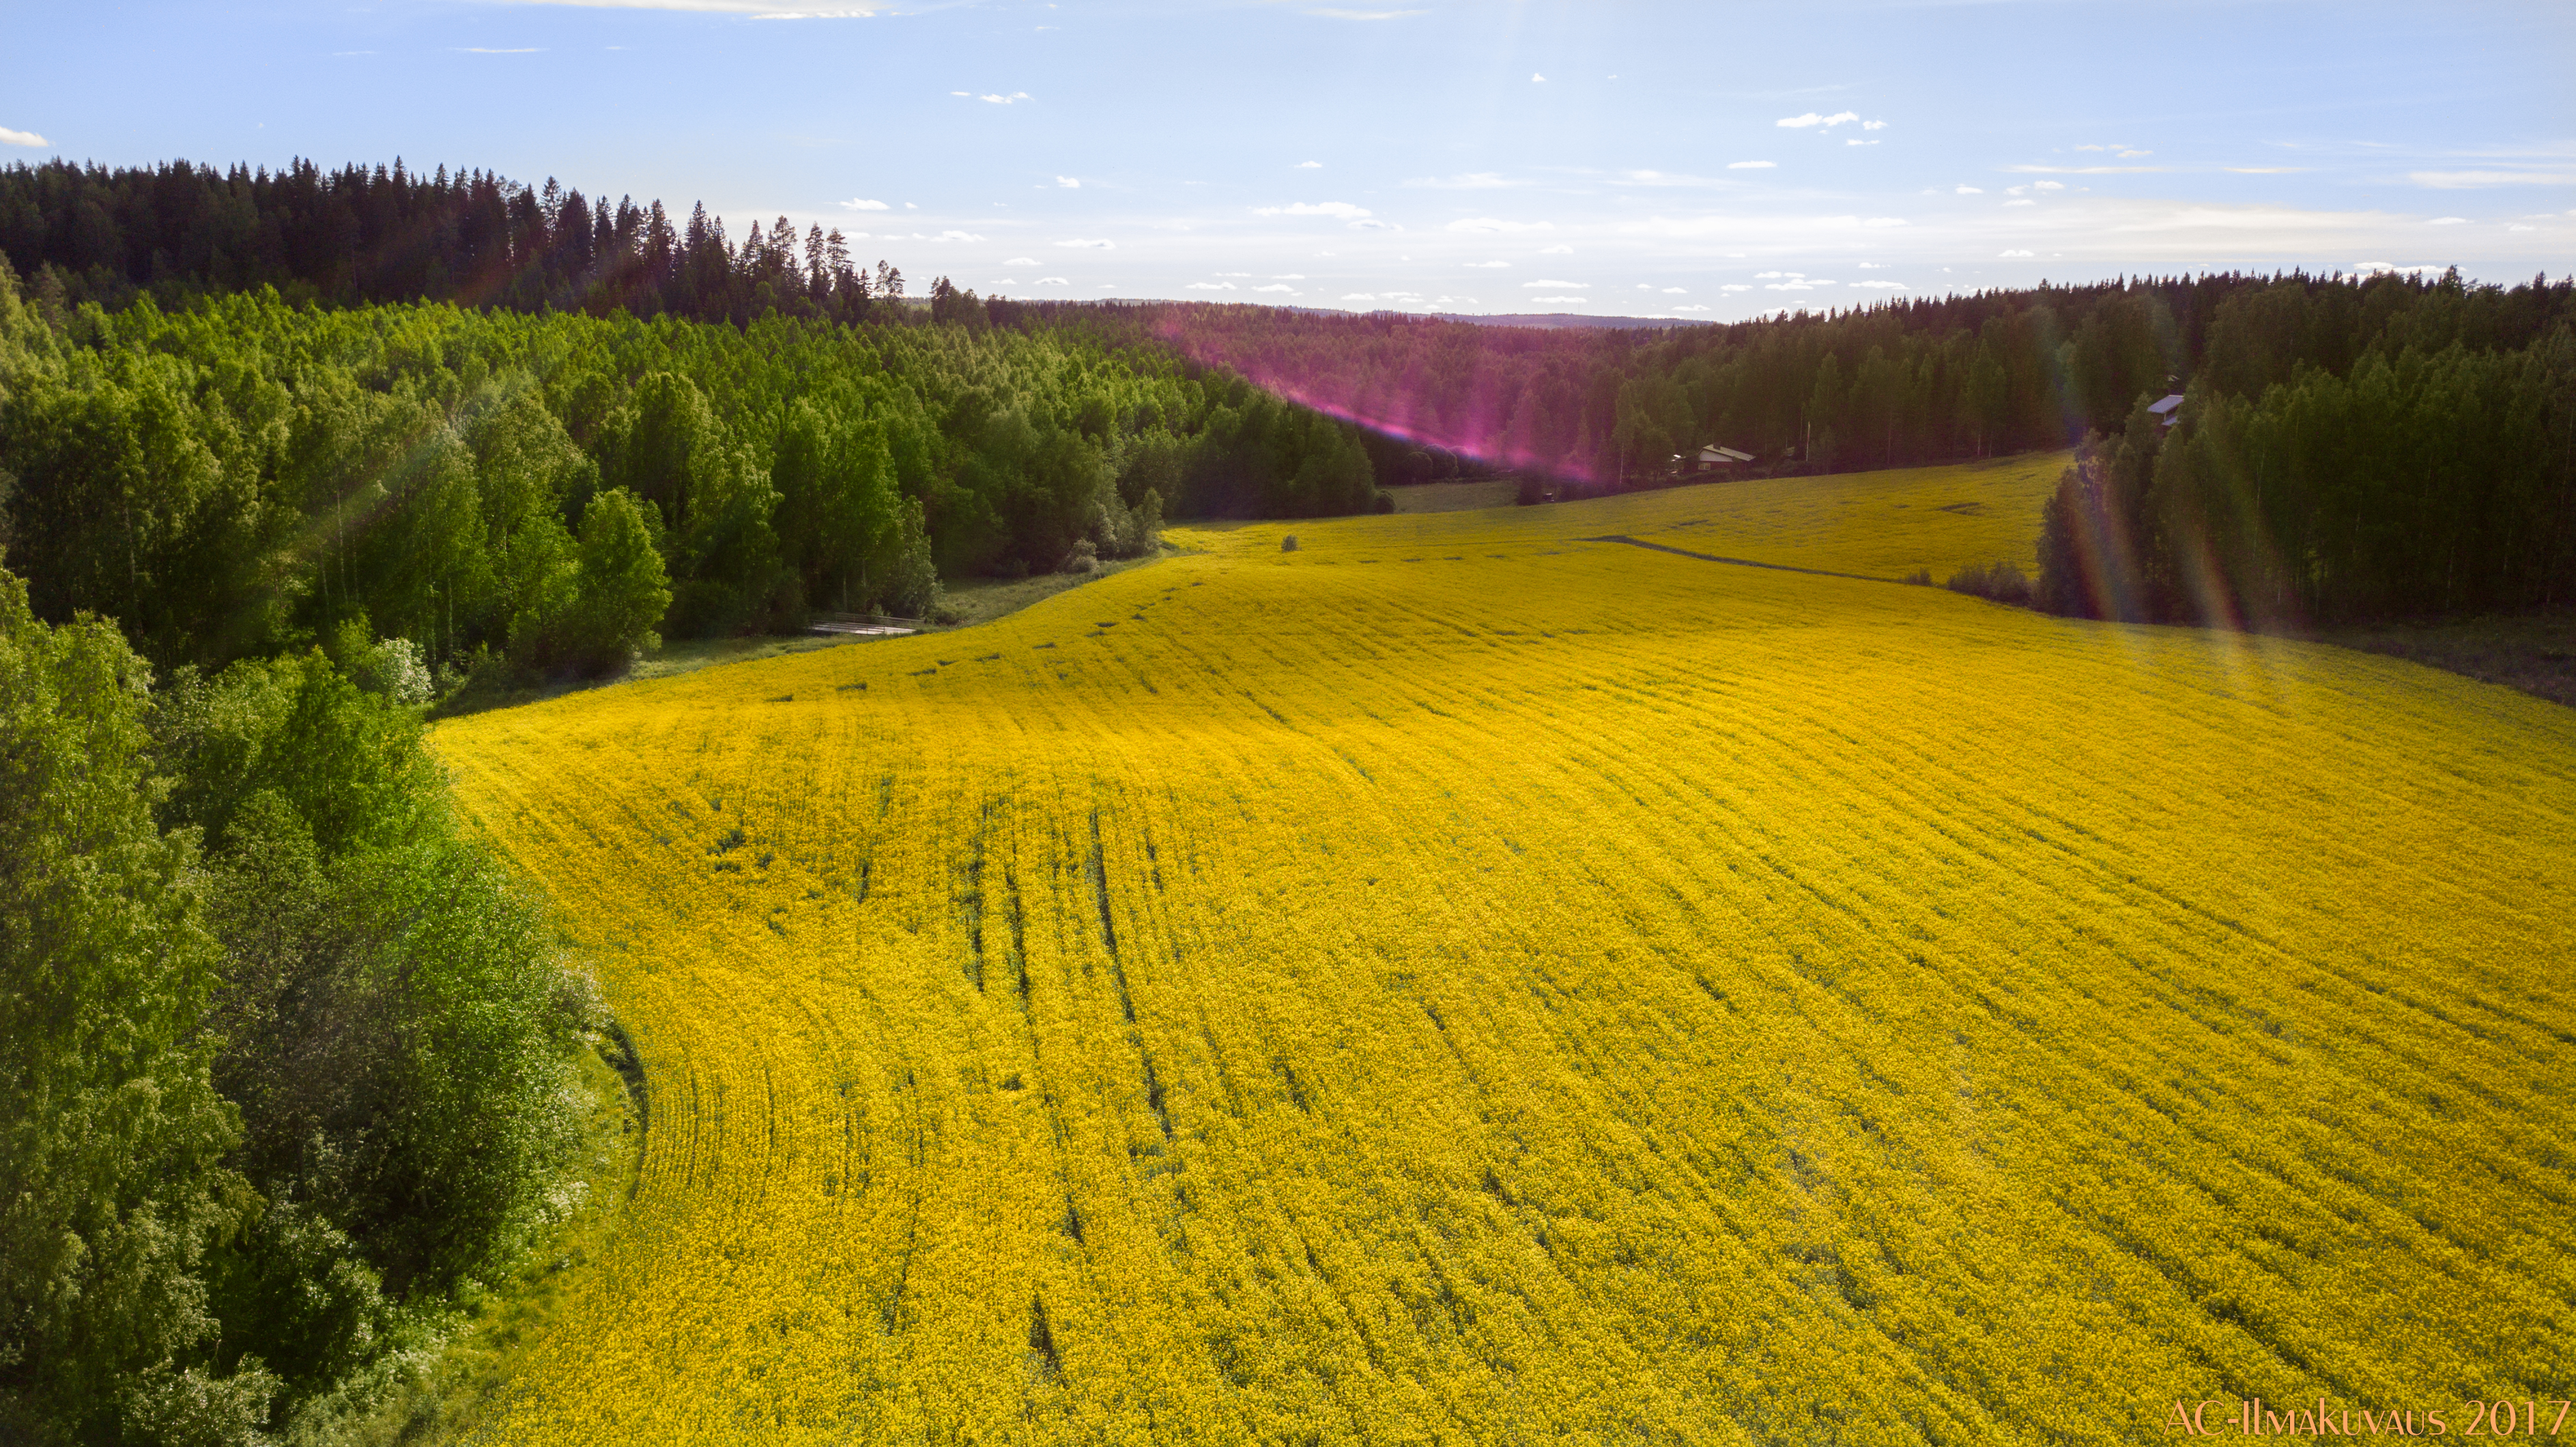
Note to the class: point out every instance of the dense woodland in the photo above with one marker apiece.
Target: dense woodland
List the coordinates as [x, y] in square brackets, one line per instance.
[246, 476]
[284, 1055]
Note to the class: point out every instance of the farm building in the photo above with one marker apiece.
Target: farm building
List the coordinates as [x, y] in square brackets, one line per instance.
[2167, 409]
[1710, 458]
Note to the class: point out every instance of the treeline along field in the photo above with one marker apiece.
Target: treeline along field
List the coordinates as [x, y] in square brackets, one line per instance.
[2355, 447]
[246, 476]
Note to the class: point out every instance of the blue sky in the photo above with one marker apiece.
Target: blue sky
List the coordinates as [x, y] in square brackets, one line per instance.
[1709, 161]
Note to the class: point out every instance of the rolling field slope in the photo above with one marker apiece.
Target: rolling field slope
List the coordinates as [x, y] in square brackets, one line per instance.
[1457, 982]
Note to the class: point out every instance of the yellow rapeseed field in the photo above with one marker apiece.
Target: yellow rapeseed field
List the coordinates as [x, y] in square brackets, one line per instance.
[1461, 983]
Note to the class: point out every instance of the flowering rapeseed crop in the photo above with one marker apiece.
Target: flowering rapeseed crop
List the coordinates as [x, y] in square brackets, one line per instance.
[1456, 982]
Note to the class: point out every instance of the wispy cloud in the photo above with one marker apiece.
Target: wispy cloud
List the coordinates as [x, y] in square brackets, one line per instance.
[1210, 286]
[753, 9]
[1751, 165]
[1559, 301]
[1338, 210]
[1814, 121]
[1093, 245]
[1278, 287]
[1013, 98]
[1309, 166]
[1494, 225]
[1070, 183]
[1021, 261]
[1488, 265]
[2263, 170]
[2083, 170]
[1289, 276]
[2016, 253]
[2448, 221]
[1366, 14]
[861, 203]
[496, 49]
[1472, 181]
[1560, 249]
[1972, 190]
[2471, 180]
[1572, 285]
[1694, 307]
[1050, 281]
[9, 137]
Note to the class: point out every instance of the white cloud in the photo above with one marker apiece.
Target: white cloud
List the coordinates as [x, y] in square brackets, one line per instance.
[1309, 166]
[2024, 201]
[2263, 170]
[1860, 143]
[1487, 265]
[1490, 224]
[2448, 221]
[1772, 275]
[1675, 291]
[861, 203]
[1233, 273]
[1972, 190]
[1359, 296]
[1021, 261]
[1210, 286]
[2468, 180]
[1561, 249]
[1886, 221]
[1795, 285]
[1342, 209]
[911, 205]
[1735, 286]
[1694, 307]
[1559, 301]
[1536, 78]
[2519, 227]
[1290, 290]
[1070, 183]
[1093, 245]
[759, 9]
[1289, 276]
[1874, 266]
[1752, 165]
[1645, 286]
[1577, 285]
[9, 137]
[2048, 185]
[1881, 285]
[1005, 281]
[1050, 281]
[1000, 100]
[954, 236]
[1472, 181]
[2017, 253]
[2084, 170]
[1365, 14]
[1799, 123]
[1873, 125]
[1374, 226]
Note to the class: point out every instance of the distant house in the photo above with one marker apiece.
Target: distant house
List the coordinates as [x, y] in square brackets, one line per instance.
[1711, 458]
[2167, 410]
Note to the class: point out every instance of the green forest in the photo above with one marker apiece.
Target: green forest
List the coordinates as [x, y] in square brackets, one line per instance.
[247, 476]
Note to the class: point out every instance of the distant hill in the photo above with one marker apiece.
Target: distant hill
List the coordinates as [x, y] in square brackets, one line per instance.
[1568, 321]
